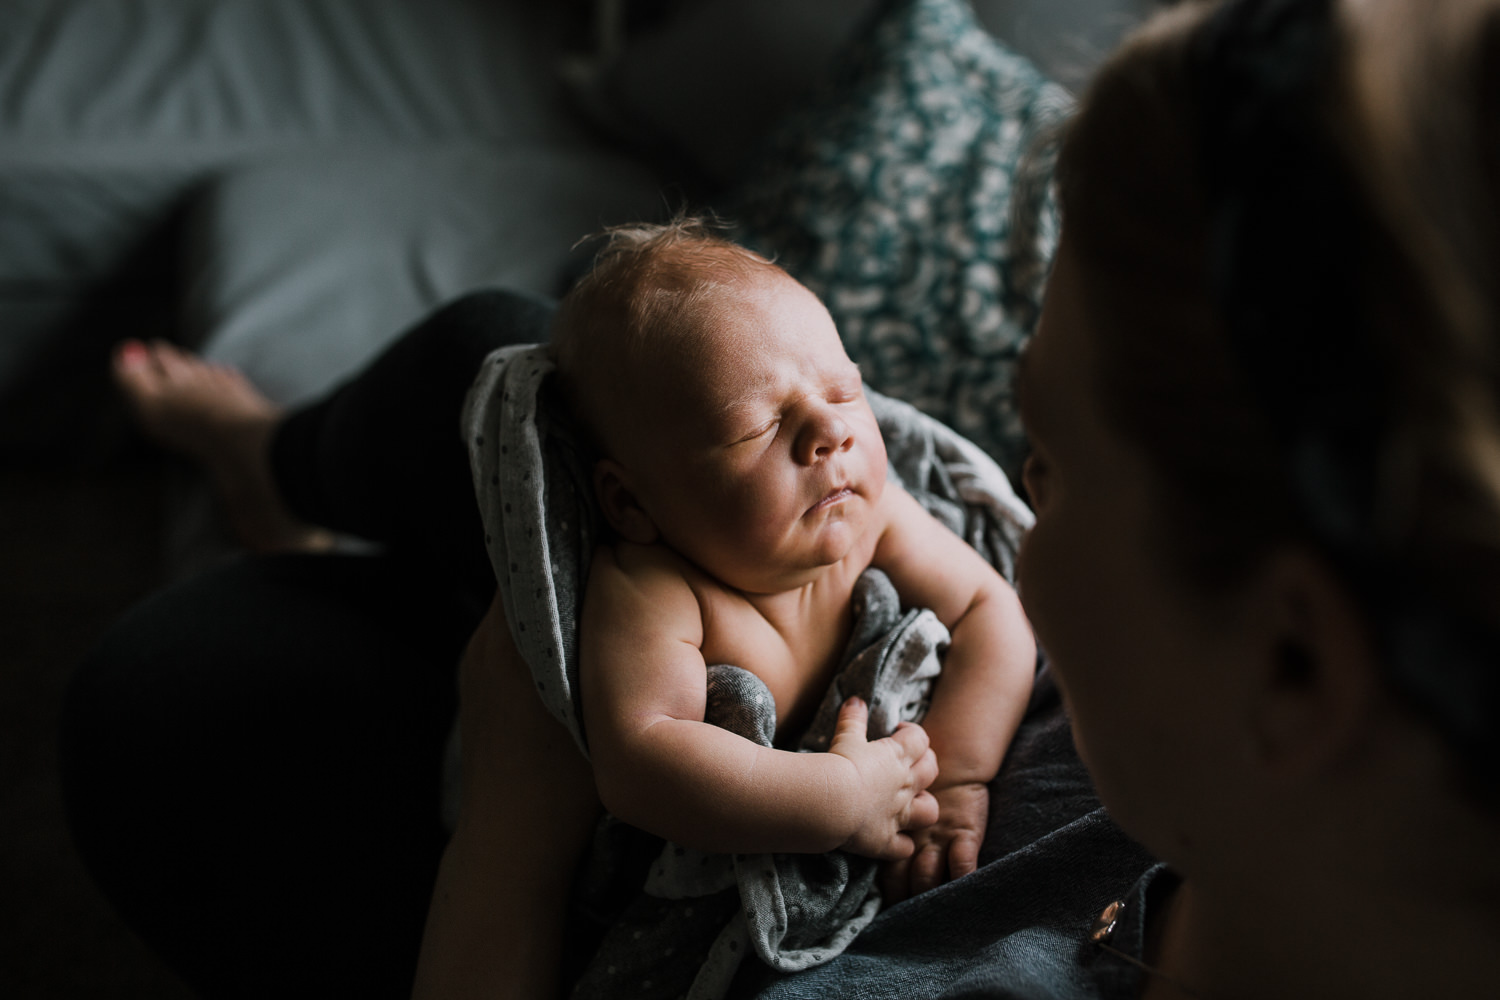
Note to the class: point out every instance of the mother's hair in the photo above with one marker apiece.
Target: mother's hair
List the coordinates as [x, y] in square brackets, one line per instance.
[1317, 186]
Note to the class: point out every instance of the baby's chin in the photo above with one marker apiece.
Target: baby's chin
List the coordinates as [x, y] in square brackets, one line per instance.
[786, 573]
[835, 538]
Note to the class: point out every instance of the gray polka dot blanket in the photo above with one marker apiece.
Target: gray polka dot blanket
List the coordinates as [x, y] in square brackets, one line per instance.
[686, 929]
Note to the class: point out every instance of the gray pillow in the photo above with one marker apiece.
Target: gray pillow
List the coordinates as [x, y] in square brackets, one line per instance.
[300, 268]
[704, 86]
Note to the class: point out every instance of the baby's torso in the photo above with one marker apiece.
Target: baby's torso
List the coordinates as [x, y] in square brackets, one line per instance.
[793, 642]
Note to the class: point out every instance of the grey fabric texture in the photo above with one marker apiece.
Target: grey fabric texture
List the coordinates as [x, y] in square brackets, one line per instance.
[301, 267]
[110, 110]
[533, 484]
[114, 112]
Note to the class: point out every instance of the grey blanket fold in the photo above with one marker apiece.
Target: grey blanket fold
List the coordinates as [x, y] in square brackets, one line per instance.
[701, 914]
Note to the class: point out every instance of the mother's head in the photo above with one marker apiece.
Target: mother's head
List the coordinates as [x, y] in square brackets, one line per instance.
[1265, 403]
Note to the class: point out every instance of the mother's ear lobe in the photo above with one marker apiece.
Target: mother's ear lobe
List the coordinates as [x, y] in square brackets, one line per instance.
[1320, 674]
[618, 503]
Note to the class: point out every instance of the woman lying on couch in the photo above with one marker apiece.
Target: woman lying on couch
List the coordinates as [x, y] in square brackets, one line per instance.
[1264, 403]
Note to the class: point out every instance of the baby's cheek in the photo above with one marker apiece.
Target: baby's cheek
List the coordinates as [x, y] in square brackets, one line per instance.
[757, 517]
[876, 463]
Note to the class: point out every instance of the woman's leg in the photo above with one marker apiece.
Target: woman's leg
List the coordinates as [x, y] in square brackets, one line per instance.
[252, 759]
[496, 927]
[382, 457]
[252, 766]
[379, 457]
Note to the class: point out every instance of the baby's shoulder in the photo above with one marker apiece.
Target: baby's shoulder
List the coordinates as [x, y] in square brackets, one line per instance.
[642, 565]
[896, 512]
[651, 577]
[896, 504]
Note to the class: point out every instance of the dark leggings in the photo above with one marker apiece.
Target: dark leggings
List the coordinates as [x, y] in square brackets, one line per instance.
[252, 758]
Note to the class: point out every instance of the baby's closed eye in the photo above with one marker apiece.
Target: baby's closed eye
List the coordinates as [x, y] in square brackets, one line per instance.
[758, 432]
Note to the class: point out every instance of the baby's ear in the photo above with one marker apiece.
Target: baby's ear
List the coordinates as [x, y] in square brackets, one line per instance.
[618, 502]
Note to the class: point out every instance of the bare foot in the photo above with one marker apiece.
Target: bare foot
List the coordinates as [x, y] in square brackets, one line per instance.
[211, 414]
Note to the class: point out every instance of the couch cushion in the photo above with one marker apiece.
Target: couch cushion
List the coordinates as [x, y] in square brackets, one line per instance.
[708, 83]
[111, 111]
[299, 269]
[711, 81]
[164, 76]
[906, 199]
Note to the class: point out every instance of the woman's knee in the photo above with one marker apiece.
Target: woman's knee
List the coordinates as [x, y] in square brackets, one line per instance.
[252, 764]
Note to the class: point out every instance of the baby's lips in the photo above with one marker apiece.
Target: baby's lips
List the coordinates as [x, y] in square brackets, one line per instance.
[834, 495]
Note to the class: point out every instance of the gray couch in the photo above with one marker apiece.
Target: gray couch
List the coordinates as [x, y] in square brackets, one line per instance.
[288, 182]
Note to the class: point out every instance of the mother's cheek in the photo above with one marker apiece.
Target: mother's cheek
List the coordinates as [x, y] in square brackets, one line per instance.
[1037, 584]
[1058, 584]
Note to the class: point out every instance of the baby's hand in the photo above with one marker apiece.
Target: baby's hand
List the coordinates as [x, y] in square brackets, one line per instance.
[946, 850]
[893, 775]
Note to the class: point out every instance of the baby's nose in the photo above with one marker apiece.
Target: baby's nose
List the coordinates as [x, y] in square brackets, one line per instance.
[825, 434]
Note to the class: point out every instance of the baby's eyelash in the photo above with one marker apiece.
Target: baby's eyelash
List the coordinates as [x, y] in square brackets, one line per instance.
[762, 429]
[846, 392]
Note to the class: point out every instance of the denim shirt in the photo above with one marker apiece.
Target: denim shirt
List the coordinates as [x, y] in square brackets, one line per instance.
[1022, 925]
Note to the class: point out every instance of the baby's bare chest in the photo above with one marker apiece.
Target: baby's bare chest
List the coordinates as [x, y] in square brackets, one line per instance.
[795, 649]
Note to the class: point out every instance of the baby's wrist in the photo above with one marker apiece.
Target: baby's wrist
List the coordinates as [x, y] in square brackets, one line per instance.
[964, 755]
[842, 816]
[944, 784]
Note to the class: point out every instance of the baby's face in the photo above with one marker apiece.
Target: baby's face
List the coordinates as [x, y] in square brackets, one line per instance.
[761, 459]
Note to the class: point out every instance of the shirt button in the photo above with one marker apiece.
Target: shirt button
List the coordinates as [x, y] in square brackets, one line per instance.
[1104, 926]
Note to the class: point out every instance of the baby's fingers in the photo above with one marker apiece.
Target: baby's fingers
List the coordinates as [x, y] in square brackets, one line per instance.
[963, 855]
[914, 744]
[894, 879]
[921, 813]
[913, 741]
[854, 719]
[927, 769]
[927, 868]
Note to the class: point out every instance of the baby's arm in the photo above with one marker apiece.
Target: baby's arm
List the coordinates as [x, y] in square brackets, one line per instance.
[660, 767]
[982, 693]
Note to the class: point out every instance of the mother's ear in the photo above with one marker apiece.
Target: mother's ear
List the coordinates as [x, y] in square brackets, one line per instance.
[1318, 681]
[619, 504]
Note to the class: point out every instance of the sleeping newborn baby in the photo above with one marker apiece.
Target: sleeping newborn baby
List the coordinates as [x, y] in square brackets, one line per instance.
[744, 479]
[701, 591]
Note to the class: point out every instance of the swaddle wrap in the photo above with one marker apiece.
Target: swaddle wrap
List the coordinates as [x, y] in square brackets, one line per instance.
[533, 480]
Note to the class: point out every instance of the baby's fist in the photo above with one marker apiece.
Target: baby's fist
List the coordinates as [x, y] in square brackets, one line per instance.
[891, 779]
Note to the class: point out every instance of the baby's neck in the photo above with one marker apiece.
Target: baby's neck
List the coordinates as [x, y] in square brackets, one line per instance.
[806, 596]
[787, 605]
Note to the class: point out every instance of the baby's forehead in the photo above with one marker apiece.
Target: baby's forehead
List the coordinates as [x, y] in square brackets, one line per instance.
[730, 353]
[703, 326]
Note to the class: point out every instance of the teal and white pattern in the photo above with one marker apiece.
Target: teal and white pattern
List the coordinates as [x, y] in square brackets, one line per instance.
[914, 198]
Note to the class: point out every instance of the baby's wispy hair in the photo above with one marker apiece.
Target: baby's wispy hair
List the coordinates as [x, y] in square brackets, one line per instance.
[647, 280]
